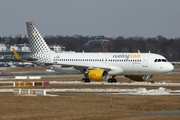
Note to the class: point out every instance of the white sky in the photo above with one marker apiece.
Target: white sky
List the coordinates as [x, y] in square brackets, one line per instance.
[111, 18]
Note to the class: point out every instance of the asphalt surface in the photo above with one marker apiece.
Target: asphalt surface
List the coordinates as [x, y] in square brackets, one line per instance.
[31, 74]
[159, 113]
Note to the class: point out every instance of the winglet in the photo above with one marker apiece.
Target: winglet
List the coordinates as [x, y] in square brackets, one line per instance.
[138, 51]
[16, 54]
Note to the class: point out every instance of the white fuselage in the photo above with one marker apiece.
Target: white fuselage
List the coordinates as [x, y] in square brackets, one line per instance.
[117, 63]
[98, 66]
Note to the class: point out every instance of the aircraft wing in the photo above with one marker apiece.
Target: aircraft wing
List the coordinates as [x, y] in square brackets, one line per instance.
[113, 70]
[79, 66]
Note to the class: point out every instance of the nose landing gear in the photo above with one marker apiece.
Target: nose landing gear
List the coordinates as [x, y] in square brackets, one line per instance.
[151, 80]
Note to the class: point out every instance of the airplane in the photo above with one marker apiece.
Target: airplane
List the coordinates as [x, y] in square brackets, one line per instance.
[25, 57]
[98, 66]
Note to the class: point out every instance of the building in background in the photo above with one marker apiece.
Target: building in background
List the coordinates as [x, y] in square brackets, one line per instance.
[98, 44]
[57, 48]
[6, 54]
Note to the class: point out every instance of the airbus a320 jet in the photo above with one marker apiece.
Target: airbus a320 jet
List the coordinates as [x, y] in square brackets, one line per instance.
[98, 66]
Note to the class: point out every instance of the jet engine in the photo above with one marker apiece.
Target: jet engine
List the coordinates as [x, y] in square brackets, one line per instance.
[98, 75]
[138, 77]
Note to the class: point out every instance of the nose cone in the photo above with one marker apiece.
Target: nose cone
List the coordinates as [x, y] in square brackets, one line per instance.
[169, 67]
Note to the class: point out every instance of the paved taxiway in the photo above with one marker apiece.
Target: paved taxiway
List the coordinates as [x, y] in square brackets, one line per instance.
[159, 113]
[49, 74]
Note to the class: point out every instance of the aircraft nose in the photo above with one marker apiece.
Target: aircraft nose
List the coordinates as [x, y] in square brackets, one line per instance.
[170, 67]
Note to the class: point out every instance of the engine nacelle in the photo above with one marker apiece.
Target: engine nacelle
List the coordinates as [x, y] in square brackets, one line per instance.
[98, 75]
[138, 77]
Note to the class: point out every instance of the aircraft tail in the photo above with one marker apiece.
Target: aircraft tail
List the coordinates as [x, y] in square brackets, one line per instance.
[37, 43]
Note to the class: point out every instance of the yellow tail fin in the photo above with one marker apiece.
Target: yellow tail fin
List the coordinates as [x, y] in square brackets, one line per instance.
[16, 54]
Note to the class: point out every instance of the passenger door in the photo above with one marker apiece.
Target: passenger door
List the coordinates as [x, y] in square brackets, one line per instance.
[145, 61]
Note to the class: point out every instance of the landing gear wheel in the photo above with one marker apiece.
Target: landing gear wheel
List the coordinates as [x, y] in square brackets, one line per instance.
[85, 80]
[151, 80]
[115, 80]
[112, 80]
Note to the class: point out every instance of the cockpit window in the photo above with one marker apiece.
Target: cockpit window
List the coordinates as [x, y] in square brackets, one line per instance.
[160, 60]
[164, 60]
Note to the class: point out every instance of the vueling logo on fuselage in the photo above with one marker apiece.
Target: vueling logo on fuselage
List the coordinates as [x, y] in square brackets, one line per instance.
[135, 56]
[121, 56]
[127, 56]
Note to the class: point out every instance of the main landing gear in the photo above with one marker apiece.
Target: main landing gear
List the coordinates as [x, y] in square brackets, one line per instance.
[85, 80]
[112, 80]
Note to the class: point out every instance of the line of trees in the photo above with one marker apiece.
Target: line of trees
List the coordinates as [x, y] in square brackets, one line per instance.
[170, 48]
